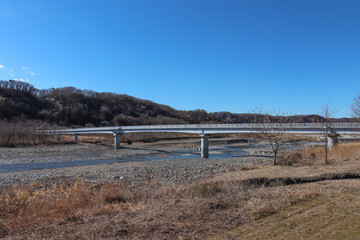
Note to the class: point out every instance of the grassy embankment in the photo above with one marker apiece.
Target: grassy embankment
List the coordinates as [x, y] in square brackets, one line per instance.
[254, 203]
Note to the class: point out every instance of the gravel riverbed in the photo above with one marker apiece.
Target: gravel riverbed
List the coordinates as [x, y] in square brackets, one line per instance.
[173, 171]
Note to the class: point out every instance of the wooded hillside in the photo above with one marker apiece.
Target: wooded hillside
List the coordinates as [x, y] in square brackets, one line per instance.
[69, 106]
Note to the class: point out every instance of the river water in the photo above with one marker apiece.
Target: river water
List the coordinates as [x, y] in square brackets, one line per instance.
[214, 153]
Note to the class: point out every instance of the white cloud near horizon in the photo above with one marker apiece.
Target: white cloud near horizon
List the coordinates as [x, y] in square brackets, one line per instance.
[12, 74]
[21, 80]
[28, 71]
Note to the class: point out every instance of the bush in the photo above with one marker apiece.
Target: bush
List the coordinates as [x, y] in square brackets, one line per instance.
[14, 134]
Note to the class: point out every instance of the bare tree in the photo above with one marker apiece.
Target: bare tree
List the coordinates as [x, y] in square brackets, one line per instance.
[273, 128]
[355, 107]
[326, 113]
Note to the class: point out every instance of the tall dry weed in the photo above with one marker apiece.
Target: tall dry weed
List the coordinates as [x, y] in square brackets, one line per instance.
[262, 202]
[24, 205]
[154, 209]
[13, 134]
[316, 155]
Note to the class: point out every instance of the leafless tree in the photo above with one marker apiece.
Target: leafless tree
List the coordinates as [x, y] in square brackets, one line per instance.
[355, 107]
[273, 128]
[326, 113]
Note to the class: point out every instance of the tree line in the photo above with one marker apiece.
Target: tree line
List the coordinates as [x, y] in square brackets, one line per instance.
[69, 106]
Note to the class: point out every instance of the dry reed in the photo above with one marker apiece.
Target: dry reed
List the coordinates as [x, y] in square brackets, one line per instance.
[316, 155]
[159, 207]
[13, 134]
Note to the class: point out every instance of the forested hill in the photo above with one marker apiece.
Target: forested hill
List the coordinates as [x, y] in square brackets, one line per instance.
[69, 106]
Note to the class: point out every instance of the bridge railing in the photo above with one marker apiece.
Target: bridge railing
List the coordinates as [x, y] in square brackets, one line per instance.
[245, 126]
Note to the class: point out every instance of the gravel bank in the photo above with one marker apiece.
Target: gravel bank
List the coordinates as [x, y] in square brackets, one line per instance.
[174, 171]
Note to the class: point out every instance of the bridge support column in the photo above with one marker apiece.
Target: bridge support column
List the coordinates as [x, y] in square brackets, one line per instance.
[76, 138]
[332, 140]
[204, 146]
[116, 141]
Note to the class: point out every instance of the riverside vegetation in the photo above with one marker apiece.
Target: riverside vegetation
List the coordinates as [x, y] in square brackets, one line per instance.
[269, 202]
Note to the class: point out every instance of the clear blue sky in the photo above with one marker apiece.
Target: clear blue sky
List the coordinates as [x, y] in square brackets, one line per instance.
[215, 55]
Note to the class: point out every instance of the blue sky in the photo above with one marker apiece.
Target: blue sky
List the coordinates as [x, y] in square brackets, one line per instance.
[227, 55]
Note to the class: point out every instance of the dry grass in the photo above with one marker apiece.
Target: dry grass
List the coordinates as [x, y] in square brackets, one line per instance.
[334, 214]
[196, 211]
[14, 134]
[316, 155]
[156, 211]
[21, 206]
[134, 138]
[229, 206]
[345, 152]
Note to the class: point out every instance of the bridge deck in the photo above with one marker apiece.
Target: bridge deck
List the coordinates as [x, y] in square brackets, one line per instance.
[205, 129]
[217, 128]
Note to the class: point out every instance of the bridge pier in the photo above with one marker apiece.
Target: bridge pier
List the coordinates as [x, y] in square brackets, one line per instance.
[76, 138]
[332, 139]
[204, 146]
[117, 141]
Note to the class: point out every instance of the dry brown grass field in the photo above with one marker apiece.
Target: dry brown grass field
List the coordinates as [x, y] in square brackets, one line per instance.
[315, 155]
[306, 200]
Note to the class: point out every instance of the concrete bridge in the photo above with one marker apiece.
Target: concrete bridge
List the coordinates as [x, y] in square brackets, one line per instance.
[204, 130]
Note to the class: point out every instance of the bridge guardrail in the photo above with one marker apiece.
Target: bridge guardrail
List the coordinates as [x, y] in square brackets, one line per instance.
[197, 127]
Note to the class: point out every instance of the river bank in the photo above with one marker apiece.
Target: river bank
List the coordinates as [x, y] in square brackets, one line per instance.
[184, 198]
[132, 164]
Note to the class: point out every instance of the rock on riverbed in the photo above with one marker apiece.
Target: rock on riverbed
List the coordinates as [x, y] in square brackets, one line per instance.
[173, 171]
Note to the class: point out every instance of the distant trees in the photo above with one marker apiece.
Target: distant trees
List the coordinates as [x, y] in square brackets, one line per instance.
[19, 134]
[70, 106]
[199, 116]
[18, 86]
